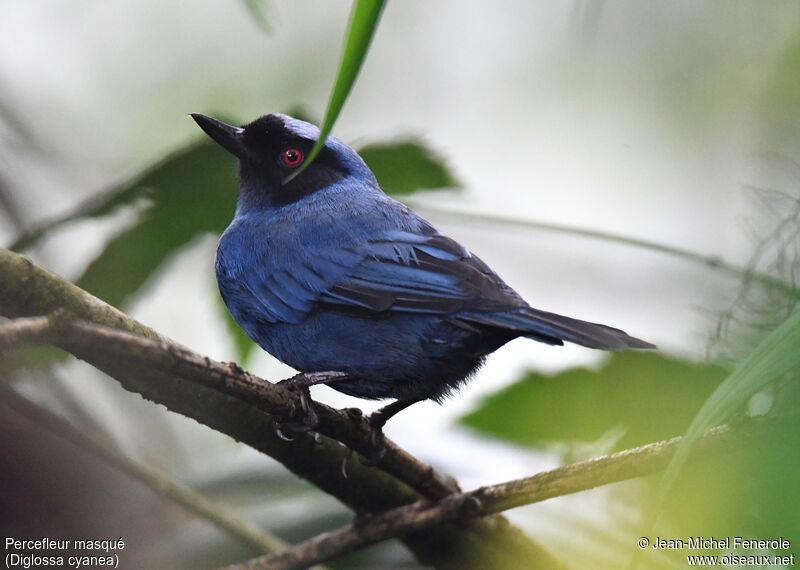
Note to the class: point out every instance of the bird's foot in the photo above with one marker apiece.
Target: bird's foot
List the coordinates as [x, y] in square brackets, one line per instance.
[375, 423]
[308, 418]
[377, 440]
[282, 427]
[300, 384]
[312, 378]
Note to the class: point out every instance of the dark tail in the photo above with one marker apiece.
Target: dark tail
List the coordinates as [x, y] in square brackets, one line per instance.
[555, 329]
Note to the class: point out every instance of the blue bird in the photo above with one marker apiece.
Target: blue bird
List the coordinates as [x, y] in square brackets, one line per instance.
[329, 274]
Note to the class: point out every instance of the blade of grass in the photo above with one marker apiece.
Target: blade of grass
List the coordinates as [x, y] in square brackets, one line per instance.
[360, 30]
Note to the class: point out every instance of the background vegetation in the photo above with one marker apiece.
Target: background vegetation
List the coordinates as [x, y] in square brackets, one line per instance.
[623, 163]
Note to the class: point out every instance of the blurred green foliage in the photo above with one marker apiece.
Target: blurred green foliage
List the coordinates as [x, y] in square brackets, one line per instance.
[648, 396]
[632, 399]
[637, 398]
[775, 360]
[749, 493]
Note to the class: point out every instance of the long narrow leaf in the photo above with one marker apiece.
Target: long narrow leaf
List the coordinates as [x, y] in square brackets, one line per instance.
[360, 30]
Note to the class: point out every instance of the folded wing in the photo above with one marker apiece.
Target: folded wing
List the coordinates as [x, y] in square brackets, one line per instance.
[407, 272]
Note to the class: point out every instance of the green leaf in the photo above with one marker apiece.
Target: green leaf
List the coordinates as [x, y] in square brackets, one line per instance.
[193, 192]
[360, 30]
[407, 166]
[776, 358]
[645, 396]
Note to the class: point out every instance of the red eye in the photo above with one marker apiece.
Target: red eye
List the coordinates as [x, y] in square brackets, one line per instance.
[292, 157]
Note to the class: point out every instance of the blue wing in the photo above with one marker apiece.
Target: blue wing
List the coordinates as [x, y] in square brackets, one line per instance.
[411, 272]
[404, 272]
[407, 272]
[400, 271]
[287, 290]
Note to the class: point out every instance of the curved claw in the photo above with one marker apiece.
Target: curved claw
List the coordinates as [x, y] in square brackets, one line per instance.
[377, 441]
[276, 427]
[310, 418]
[300, 384]
[345, 461]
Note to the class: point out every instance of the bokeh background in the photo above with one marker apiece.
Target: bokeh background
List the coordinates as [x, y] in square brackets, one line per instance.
[667, 124]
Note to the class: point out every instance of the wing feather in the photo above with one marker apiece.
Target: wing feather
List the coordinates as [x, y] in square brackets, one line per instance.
[401, 271]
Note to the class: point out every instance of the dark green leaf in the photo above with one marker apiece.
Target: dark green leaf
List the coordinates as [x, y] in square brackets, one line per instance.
[360, 30]
[648, 395]
[193, 192]
[404, 167]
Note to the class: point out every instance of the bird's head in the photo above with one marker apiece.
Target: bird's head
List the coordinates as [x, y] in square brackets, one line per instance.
[272, 148]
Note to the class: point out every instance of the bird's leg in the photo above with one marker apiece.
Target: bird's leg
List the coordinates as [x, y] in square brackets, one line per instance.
[378, 419]
[300, 383]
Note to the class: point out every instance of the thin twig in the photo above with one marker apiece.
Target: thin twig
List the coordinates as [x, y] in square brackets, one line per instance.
[714, 262]
[565, 480]
[157, 480]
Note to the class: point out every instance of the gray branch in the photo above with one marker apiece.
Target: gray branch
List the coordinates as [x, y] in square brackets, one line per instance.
[565, 480]
[234, 402]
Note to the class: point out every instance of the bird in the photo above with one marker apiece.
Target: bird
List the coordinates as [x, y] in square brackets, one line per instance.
[352, 288]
